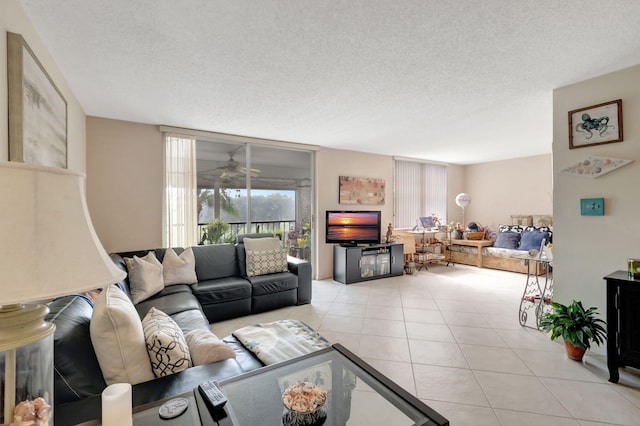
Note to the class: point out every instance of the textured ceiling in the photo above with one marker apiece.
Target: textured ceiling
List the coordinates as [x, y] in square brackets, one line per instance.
[455, 81]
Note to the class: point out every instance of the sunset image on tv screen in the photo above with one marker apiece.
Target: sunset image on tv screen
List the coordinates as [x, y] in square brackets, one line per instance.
[353, 226]
[351, 219]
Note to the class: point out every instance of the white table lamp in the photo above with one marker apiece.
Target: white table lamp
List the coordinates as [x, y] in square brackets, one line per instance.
[48, 248]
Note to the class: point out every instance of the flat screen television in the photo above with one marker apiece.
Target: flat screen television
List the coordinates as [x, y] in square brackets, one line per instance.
[353, 227]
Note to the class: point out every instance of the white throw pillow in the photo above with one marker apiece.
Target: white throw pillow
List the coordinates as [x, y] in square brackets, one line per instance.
[118, 339]
[205, 347]
[145, 276]
[166, 345]
[179, 269]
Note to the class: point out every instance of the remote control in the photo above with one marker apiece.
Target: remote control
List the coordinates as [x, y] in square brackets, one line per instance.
[212, 395]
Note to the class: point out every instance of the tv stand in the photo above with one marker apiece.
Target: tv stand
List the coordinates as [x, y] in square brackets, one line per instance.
[352, 264]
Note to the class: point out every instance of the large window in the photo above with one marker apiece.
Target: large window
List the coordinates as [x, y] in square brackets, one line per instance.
[246, 188]
[420, 190]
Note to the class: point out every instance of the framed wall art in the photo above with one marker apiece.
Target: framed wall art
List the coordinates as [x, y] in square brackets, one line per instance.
[592, 206]
[596, 125]
[358, 190]
[37, 109]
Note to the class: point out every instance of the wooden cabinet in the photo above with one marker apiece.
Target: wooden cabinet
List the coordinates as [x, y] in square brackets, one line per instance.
[355, 264]
[623, 322]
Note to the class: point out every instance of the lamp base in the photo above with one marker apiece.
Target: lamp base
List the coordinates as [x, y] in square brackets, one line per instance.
[26, 350]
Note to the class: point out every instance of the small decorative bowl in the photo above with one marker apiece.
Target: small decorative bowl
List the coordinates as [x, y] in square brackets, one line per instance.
[304, 405]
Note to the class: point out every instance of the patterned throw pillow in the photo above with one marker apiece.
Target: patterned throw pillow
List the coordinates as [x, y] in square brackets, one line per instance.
[510, 228]
[166, 344]
[261, 262]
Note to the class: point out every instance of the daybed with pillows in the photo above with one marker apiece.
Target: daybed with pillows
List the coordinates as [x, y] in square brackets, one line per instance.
[511, 243]
[153, 329]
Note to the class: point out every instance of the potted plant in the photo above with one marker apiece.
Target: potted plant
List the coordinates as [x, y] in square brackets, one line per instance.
[577, 326]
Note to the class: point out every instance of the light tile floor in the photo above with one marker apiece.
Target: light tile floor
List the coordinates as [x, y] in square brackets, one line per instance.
[450, 336]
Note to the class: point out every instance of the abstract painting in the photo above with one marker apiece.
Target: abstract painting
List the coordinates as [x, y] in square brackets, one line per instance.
[37, 109]
[359, 190]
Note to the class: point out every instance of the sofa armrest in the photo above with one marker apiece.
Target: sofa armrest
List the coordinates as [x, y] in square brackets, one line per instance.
[302, 268]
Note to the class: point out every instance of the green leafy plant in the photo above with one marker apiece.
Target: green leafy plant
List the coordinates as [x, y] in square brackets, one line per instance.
[217, 232]
[575, 324]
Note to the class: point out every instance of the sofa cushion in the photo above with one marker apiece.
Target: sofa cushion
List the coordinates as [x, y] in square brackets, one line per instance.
[170, 304]
[273, 283]
[179, 269]
[522, 219]
[75, 362]
[205, 347]
[215, 261]
[260, 244]
[222, 290]
[166, 345]
[118, 339]
[145, 276]
[542, 220]
[531, 240]
[262, 262]
[507, 240]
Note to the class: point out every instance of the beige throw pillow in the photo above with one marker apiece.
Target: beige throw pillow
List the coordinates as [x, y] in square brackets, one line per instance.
[262, 243]
[179, 269]
[145, 276]
[166, 345]
[118, 339]
[205, 347]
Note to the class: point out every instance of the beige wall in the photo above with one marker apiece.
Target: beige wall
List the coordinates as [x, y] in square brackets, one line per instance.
[13, 19]
[124, 183]
[499, 189]
[330, 164]
[586, 248]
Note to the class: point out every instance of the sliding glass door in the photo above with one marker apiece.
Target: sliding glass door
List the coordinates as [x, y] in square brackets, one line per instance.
[246, 188]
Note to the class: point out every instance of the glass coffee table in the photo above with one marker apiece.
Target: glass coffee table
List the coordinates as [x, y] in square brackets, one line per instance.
[357, 394]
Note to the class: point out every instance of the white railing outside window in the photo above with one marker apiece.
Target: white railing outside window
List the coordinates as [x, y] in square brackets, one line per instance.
[180, 216]
[420, 190]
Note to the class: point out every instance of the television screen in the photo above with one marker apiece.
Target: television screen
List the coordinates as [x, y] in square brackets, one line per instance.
[353, 227]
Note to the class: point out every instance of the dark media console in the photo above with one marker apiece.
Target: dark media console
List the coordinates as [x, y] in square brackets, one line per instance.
[352, 264]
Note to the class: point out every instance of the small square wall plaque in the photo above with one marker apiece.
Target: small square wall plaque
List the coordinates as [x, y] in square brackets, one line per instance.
[592, 206]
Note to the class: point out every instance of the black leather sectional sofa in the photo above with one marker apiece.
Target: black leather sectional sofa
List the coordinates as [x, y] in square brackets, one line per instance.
[222, 292]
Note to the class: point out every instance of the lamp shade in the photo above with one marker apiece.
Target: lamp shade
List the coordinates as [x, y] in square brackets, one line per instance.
[48, 246]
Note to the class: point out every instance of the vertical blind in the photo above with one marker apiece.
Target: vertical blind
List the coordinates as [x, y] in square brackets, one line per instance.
[180, 196]
[420, 190]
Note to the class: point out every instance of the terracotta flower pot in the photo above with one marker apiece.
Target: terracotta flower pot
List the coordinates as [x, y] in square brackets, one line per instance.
[574, 352]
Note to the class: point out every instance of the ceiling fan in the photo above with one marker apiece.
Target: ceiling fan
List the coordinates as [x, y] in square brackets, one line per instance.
[231, 168]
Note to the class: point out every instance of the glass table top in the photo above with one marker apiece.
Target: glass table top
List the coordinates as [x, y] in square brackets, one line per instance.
[357, 394]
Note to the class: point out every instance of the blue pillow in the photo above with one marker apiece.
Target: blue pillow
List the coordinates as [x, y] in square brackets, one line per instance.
[507, 240]
[531, 240]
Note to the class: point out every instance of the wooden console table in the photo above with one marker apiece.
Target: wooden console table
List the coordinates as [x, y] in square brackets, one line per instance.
[474, 243]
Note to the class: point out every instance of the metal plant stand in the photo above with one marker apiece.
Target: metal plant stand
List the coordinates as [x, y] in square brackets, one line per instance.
[538, 291]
